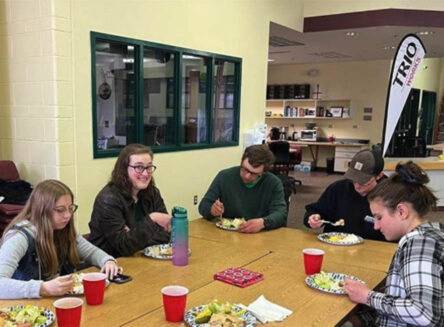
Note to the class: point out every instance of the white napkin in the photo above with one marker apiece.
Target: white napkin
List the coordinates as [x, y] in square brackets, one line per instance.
[266, 311]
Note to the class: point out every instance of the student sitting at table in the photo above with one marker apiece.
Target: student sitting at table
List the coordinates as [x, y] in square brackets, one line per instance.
[413, 294]
[347, 198]
[129, 213]
[41, 245]
[248, 191]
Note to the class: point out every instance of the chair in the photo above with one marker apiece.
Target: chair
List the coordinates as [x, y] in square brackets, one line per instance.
[284, 158]
[281, 151]
[8, 173]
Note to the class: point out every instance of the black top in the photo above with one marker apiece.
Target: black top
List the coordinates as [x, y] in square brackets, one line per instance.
[113, 211]
[341, 201]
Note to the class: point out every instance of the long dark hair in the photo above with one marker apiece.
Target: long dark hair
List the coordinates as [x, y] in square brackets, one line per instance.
[407, 184]
[53, 246]
[119, 176]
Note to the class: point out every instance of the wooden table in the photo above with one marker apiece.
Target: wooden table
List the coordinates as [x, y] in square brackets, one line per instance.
[276, 254]
[284, 240]
[128, 301]
[284, 283]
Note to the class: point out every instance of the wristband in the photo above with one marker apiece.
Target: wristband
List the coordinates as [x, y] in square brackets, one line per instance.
[369, 298]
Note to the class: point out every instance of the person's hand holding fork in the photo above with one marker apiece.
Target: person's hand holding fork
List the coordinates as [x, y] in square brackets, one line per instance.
[217, 209]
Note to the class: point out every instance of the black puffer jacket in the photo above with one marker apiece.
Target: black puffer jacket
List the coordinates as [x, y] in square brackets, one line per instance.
[113, 211]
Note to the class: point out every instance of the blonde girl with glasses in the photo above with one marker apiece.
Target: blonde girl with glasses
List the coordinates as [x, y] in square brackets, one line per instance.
[40, 247]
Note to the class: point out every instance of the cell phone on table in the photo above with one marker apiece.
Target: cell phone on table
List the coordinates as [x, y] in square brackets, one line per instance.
[121, 278]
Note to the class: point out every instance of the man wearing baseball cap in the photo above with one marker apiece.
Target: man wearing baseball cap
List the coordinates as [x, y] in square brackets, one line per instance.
[347, 199]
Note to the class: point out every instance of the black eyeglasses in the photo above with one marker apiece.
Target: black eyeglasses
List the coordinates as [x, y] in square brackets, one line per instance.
[252, 173]
[140, 169]
[71, 209]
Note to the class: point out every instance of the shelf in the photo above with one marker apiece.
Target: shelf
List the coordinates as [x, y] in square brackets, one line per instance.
[302, 107]
[331, 118]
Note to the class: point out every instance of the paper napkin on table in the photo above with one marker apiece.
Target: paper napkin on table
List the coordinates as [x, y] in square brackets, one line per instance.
[266, 311]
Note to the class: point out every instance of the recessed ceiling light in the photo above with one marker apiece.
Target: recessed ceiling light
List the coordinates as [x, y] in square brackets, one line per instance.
[351, 34]
[425, 33]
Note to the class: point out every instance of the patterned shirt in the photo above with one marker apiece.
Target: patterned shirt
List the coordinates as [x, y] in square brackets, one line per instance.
[414, 286]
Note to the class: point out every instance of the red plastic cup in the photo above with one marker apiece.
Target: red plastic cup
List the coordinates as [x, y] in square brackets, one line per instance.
[68, 311]
[94, 288]
[313, 260]
[174, 301]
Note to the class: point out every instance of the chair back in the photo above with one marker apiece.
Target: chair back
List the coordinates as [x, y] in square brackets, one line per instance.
[8, 171]
[281, 151]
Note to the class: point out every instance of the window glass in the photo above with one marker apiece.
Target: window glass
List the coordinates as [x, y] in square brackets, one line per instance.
[158, 97]
[194, 98]
[223, 101]
[115, 94]
[167, 97]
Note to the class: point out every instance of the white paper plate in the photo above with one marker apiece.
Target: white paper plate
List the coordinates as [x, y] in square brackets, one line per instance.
[190, 316]
[337, 276]
[50, 316]
[326, 238]
[154, 251]
[78, 286]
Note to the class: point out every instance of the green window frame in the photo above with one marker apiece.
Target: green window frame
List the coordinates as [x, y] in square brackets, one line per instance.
[176, 89]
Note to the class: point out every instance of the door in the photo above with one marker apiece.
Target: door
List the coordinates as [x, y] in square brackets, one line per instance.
[406, 128]
[427, 116]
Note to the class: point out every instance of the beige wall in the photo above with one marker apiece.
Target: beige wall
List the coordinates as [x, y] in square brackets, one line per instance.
[365, 83]
[36, 126]
[45, 83]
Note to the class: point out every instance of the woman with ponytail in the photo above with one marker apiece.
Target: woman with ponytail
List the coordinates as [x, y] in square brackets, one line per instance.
[413, 294]
[41, 245]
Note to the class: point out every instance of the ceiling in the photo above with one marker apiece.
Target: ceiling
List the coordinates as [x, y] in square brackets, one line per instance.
[377, 35]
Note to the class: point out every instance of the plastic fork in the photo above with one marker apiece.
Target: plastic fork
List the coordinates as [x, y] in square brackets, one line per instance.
[340, 222]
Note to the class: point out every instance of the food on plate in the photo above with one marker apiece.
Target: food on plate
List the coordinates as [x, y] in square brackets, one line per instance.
[344, 238]
[232, 223]
[27, 316]
[340, 222]
[223, 320]
[326, 281]
[225, 315]
[163, 251]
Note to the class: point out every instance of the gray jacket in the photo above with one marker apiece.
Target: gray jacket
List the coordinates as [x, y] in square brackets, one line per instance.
[14, 247]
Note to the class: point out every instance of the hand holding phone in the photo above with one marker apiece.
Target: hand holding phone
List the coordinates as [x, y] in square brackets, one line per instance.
[121, 278]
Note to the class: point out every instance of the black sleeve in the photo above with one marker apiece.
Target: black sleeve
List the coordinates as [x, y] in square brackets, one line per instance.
[326, 204]
[112, 222]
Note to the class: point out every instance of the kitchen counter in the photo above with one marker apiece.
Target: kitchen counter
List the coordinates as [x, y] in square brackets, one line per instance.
[433, 167]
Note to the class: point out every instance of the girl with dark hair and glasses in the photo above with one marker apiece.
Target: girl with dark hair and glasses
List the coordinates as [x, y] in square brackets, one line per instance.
[40, 247]
[129, 213]
[413, 293]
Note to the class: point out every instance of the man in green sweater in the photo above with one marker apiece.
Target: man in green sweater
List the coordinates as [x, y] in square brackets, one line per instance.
[248, 191]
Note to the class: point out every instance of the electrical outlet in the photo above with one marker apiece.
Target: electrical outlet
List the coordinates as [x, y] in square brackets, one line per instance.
[195, 200]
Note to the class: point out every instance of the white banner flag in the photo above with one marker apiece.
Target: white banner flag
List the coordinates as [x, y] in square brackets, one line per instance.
[408, 57]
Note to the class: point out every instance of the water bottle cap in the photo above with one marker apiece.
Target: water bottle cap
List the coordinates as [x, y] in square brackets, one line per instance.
[179, 212]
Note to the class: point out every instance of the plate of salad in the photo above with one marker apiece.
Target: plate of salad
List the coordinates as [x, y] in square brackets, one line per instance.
[161, 251]
[230, 224]
[332, 283]
[218, 313]
[26, 316]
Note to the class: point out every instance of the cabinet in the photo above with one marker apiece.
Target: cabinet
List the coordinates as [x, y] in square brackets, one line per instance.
[343, 156]
[308, 109]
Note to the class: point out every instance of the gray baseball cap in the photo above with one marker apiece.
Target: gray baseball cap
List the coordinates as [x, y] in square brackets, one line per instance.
[364, 165]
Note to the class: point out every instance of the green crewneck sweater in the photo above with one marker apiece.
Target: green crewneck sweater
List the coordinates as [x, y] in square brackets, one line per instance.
[263, 200]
